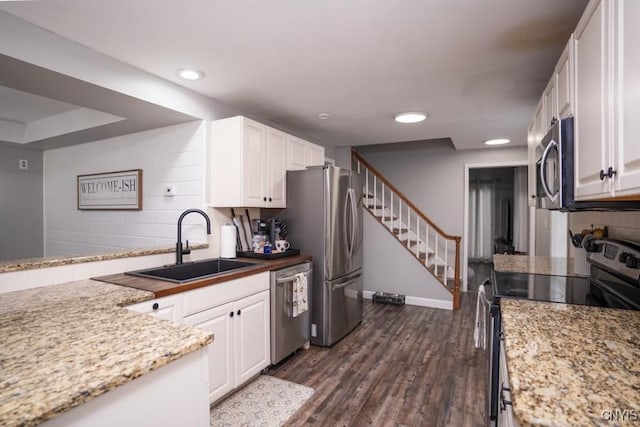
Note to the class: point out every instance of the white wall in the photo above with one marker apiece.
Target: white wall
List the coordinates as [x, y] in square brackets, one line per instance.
[20, 204]
[174, 155]
[388, 267]
[432, 176]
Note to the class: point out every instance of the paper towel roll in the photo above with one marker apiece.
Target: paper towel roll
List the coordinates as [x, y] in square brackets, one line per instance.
[228, 241]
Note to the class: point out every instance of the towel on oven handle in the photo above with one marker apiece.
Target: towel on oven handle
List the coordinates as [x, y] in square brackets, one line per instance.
[480, 330]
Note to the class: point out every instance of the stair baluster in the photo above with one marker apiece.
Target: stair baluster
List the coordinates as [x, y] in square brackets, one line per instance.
[436, 256]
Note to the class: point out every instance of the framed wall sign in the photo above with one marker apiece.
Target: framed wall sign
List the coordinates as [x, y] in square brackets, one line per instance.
[110, 191]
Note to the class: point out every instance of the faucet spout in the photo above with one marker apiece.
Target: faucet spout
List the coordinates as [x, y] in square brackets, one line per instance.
[179, 250]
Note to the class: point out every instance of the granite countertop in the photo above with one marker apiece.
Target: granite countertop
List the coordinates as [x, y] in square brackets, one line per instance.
[569, 364]
[535, 264]
[32, 263]
[63, 345]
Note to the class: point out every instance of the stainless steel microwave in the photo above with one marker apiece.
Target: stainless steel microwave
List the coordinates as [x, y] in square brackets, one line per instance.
[555, 174]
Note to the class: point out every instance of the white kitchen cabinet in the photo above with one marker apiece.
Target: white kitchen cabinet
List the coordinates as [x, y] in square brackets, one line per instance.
[247, 164]
[607, 153]
[218, 321]
[550, 100]
[564, 86]
[237, 313]
[251, 336]
[315, 155]
[626, 97]
[240, 349]
[167, 308]
[592, 142]
[301, 153]
[276, 158]
[506, 417]
[296, 153]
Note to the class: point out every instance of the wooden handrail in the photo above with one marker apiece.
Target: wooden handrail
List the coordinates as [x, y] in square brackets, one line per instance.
[404, 198]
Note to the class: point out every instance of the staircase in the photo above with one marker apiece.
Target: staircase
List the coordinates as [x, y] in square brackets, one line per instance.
[437, 251]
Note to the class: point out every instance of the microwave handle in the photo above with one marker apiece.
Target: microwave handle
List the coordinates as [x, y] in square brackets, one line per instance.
[543, 171]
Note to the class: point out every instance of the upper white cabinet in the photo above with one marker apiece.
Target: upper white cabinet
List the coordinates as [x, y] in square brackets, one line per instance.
[315, 155]
[564, 85]
[247, 164]
[607, 155]
[626, 149]
[301, 154]
[592, 142]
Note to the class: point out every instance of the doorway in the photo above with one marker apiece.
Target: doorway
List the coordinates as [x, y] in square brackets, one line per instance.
[496, 217]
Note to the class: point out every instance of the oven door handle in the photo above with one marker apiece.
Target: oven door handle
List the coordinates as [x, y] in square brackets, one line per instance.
[543, 171]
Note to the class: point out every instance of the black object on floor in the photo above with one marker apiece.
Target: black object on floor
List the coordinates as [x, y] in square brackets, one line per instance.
[387, 298]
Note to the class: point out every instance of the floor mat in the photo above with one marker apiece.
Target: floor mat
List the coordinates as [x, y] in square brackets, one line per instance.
[266, 401]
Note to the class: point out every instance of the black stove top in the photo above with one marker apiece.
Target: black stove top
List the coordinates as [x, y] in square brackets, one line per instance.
[613, 280]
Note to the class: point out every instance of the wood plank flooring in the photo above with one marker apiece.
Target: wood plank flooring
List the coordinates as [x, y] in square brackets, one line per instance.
[403, 366]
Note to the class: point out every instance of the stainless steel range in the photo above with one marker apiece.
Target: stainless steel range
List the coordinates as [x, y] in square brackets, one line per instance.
[613, 281]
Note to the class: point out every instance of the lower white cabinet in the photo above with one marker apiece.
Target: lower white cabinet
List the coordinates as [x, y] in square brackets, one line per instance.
[506, 417]
[167, 308]
[237, 313]
[240, 349]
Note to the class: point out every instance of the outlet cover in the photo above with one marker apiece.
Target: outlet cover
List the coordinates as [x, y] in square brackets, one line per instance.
[23, 164]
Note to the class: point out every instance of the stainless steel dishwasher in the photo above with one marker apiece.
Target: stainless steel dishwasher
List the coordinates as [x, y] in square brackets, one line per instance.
[289, 330]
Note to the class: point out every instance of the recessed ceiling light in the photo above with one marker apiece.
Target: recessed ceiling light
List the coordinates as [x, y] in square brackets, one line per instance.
[324, 116]
[189, 74]
[499, 141]
[410, 117]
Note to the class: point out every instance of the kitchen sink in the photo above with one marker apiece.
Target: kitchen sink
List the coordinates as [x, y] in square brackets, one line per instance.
[192, 271]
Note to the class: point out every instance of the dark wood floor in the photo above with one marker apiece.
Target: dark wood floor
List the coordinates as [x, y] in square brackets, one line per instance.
[409, 366]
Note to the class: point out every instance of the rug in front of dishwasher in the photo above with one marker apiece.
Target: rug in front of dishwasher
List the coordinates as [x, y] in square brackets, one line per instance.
[267, 401]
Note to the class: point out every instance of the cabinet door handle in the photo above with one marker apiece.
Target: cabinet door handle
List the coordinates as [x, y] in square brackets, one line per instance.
[264, 199]
[239, 312]
[603, 175]
[155, 306]
[610, 172]
[269, 198]
[231, 314]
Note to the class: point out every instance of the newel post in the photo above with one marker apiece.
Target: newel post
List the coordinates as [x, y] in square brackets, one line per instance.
[456, 280]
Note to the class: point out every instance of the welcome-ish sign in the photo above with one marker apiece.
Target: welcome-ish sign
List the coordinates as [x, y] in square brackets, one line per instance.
[110, 191]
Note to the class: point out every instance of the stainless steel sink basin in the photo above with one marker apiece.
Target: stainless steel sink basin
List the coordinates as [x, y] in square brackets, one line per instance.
[192, 271]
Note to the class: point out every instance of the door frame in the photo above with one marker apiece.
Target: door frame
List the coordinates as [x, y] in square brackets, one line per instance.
[465, 233]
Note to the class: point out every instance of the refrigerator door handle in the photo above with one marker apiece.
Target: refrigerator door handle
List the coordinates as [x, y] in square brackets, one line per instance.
[352, 199]
[351, 281]
[347, 234]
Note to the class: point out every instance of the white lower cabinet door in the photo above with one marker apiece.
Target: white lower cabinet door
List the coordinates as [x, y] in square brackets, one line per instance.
[251, 330]
[219, 321]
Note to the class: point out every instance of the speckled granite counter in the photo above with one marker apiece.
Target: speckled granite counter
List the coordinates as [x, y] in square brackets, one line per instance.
[63, 345]
[31, 263]
[534, 264]
[568, 363]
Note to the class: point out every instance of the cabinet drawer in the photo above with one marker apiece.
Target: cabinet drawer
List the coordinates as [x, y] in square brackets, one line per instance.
[162, 308]
[201, 299]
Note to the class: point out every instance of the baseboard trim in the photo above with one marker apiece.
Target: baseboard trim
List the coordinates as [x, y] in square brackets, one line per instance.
[419, 301]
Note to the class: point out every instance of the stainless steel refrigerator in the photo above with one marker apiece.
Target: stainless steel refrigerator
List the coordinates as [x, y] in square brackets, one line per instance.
[324, 220]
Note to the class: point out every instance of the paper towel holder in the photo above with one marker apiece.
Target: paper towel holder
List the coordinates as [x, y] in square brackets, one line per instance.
[228, 238]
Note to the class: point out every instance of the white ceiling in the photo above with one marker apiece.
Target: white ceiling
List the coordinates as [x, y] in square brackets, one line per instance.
[477, 67]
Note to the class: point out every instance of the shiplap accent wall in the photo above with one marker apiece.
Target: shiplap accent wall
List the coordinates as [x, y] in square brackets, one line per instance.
[171, 155]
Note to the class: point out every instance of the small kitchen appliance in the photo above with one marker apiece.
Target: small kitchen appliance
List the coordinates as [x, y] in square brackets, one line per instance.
[613, 281]
[555, 171]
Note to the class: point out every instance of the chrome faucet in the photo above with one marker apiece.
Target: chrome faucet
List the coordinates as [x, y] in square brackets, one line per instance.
[179, 249]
